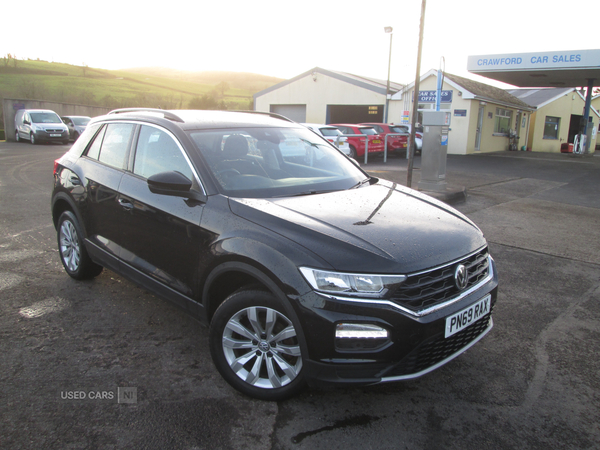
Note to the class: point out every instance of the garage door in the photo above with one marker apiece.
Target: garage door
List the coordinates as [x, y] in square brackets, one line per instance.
[354, 113]
[295, 112]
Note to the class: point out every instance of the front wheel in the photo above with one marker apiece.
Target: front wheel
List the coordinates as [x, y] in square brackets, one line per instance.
[32, 139]
[255, 346]
[72, 250]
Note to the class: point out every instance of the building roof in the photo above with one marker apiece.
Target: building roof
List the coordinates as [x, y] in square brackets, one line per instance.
[474, 90]
[371, 84]
[539, 97]
[543, 96]
[485, 92]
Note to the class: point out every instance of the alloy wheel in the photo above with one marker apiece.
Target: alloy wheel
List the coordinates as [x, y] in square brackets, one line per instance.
[261, 347]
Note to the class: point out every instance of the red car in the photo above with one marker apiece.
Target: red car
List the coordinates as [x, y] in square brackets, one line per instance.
[394, 143]
[357, 143]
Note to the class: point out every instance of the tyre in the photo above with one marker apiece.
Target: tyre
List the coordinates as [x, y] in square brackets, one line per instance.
[32, 139]
[17, 137]
[255, 346]
[72, 251]
[353, 153]
[75, 136]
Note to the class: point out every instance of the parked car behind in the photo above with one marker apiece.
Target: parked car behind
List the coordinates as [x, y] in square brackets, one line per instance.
[332, 134]
[394, 143]
[357, 144]
[40, 125]
[306, 270]
[418, 137]
[76, 125]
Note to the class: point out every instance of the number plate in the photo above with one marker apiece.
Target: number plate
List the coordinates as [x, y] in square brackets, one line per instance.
[55, 135]
[376, 141]
[468, 316]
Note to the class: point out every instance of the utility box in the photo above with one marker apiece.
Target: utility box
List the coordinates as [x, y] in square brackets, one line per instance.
[436, 125]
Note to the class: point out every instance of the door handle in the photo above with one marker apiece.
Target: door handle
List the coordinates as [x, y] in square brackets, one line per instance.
[126, 204]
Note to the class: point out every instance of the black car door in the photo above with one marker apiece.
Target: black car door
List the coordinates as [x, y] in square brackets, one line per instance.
[103, 168]
[160, 233]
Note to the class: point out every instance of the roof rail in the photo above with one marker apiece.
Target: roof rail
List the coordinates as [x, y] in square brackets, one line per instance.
[166, 114]
[270, 114]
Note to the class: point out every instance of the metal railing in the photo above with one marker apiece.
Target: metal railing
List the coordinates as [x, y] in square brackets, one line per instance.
[337, 142]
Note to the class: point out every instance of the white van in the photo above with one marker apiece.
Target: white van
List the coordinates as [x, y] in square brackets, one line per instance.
[40, 125]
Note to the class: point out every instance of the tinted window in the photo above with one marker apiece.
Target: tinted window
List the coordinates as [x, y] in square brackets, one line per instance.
[330, 132]
[115, 143]
[399, 129]
[368, 131]
[94, 150]
[158, 152]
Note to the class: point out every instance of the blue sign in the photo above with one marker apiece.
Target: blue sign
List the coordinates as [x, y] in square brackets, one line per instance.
[444, 139]
[429, 96]
[460, 112]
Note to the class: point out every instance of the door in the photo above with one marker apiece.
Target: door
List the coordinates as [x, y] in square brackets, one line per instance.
[479, 128]
[103, 169]
[161, 234]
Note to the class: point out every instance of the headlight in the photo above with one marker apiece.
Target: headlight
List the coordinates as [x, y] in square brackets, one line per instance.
[357, 285]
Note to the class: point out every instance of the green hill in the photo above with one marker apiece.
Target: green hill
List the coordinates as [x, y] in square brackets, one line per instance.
[140, 87]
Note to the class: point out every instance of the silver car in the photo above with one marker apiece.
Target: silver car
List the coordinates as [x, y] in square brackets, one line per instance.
[40, 125]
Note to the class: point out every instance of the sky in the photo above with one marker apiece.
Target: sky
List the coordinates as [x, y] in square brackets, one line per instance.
[284, 39]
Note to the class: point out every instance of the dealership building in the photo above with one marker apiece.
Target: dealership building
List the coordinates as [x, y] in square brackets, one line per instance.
[481, 117]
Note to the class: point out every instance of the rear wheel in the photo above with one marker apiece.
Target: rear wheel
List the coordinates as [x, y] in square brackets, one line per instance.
[255, 346]
[353, 153]
[72, 250]
[17, 137]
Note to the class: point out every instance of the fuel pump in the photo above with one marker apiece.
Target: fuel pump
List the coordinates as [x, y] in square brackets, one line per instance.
[436, 125]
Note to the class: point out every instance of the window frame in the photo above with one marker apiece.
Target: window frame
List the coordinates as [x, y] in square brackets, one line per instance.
[556, 129]
[498, 117]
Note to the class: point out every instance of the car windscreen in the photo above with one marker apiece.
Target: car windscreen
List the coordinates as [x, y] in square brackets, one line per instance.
[274, 162]
[48, 117]
[369, 131]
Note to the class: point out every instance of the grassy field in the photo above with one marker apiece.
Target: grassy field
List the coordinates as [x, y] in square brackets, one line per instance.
[150, 87]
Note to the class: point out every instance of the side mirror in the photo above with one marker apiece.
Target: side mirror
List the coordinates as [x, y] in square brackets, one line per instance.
[27, 122]
[174, 184]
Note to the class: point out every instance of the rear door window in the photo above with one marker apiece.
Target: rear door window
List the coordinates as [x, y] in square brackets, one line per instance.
[114, 145]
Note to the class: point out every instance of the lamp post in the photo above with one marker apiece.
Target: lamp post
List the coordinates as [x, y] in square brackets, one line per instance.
[387, 92]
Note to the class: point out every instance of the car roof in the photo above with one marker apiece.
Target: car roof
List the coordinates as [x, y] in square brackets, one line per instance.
[317, 125]
[358, 125]
[203, 119]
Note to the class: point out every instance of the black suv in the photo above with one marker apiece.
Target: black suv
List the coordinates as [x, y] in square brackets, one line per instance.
[306, 269]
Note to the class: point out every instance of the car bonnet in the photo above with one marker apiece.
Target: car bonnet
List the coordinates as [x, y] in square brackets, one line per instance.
[381, 228]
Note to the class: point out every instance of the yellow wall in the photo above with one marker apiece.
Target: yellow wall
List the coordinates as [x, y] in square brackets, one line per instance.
[316, 95]
[462, 135]
[563, 107]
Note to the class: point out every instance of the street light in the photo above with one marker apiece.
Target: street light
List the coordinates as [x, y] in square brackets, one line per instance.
[387, 93]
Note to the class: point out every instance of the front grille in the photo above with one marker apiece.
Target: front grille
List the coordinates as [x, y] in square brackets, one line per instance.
[426, 289]
[48, 130]
[437, 349]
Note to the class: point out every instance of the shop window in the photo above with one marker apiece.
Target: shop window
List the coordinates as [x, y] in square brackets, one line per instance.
[502, 121]
[551, 127]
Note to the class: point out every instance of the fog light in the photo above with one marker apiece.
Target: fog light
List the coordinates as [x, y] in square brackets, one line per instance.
[360, 331]
[359, 337]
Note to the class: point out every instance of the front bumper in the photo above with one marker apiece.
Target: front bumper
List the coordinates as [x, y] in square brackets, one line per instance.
[417, 344]
[51, 135]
